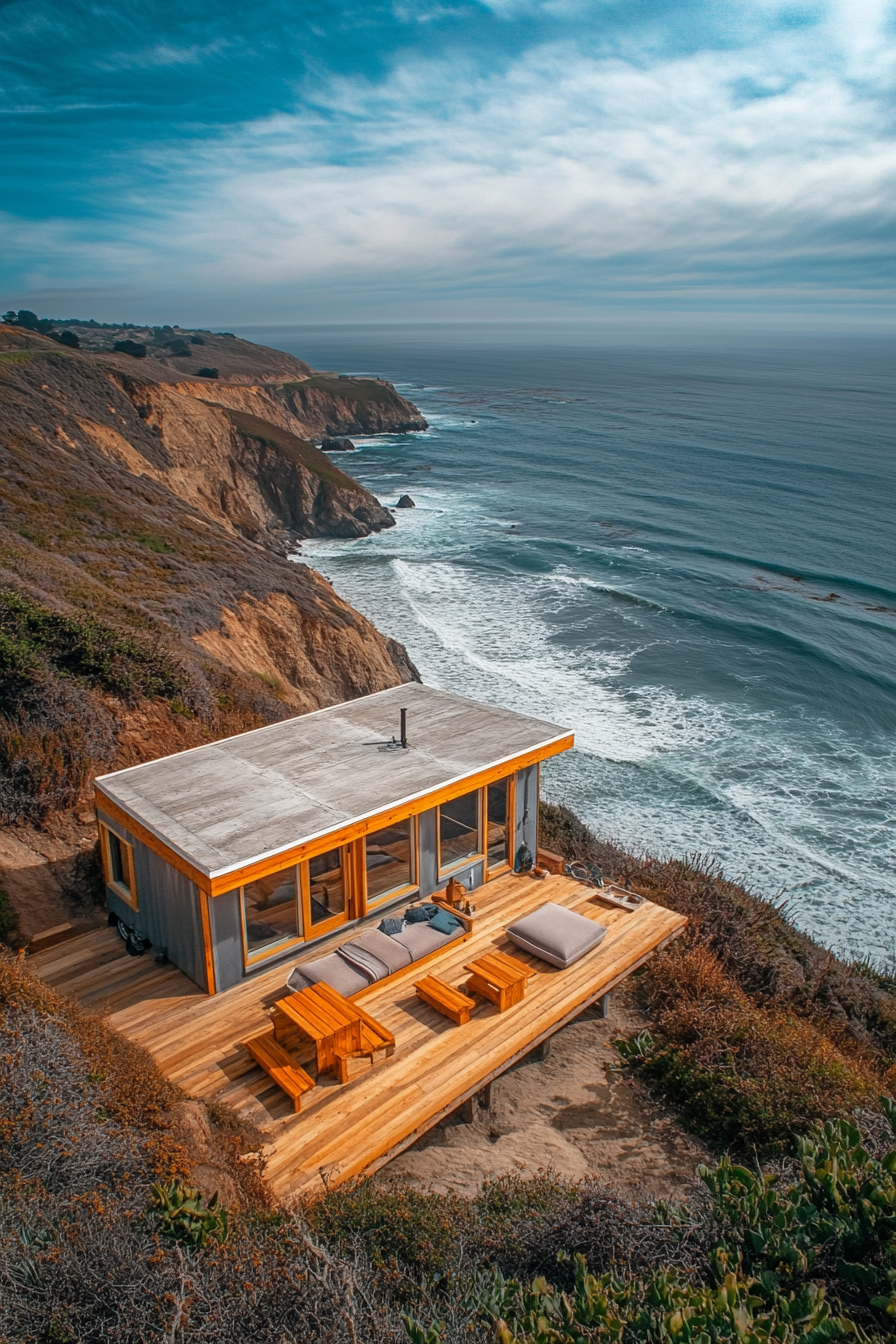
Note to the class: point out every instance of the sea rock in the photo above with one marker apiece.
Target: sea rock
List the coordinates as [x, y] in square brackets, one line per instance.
[338, 446]
[405, 503]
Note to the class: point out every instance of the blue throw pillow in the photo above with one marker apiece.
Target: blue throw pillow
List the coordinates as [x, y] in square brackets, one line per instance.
[444, 922]
[420, 914]
[391, 925]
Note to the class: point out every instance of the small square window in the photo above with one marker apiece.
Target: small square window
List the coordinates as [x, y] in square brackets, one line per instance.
[119, 866]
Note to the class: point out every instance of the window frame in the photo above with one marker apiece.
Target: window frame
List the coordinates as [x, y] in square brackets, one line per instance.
[127, 894]
[397, 893]
[478, 856]
[312, 930]
[510, 822]
[274, 949]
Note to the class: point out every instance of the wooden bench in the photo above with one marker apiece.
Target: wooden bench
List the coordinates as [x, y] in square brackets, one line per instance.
[281, 1066]
[555, 863]
[447, 1001]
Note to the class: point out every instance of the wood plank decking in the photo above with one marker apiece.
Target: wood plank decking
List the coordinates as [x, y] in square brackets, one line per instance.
[344, 1130]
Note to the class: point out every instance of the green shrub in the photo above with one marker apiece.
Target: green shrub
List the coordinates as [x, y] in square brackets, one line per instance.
[185, 1216]
[133, 348]
[743, 1074]
[83, 647]
[665, 1306]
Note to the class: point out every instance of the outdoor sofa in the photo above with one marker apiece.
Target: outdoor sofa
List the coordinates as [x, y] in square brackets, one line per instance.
[375, 954]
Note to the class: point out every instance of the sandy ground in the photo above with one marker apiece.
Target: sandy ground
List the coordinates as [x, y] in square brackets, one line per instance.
[568, 1113]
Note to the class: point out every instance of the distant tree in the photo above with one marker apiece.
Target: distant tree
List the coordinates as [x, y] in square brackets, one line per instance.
[133, 348]
[196, 340]
[25, 318]
[178, 348]
[68, 338]
[207, 373]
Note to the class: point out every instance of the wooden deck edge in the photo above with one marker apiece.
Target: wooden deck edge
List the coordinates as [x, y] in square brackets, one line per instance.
[332, 1177]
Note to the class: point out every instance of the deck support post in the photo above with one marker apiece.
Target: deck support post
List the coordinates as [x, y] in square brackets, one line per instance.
[604, 1006]
[467, 1111]
[541, 1052]
[485, 1097]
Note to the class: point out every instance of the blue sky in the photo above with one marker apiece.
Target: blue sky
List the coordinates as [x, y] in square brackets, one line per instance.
[222, 163]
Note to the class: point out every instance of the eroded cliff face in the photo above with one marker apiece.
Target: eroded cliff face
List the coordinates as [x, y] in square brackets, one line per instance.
[318, 406]
[146, 604]
[249, 474]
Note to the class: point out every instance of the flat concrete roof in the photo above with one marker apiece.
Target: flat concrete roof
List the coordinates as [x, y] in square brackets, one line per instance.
[245, 798]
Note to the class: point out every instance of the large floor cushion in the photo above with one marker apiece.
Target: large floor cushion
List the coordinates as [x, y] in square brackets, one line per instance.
[336, 972]
[375, 954]
[421, 939]
[556, 935]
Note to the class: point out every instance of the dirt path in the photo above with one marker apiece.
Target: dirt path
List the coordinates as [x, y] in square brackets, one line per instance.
[568, 1113]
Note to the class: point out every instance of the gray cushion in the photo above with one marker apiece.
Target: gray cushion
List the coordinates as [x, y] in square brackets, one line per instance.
[421, 939]
[297, 980]
[335, 972]
[375, 954]
[556, 935]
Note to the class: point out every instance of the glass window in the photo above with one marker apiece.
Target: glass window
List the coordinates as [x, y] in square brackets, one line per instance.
[271, 911]
[119, 866]
[118, 862]
[458, 830]
[390, 860]
[498, 832]
[326, 875]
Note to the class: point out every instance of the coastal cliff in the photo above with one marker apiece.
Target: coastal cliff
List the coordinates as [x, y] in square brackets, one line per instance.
[147, 603]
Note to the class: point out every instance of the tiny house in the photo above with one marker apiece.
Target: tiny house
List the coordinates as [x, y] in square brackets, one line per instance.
[236, 855]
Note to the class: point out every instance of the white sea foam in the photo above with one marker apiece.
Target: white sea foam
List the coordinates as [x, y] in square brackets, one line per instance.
[782, 802]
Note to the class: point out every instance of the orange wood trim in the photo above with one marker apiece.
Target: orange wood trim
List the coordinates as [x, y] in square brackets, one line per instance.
[146, 837]
[130, 897]
[357, 904]
[510, 823]
[207, 944]
[354, 830]
[314, 931]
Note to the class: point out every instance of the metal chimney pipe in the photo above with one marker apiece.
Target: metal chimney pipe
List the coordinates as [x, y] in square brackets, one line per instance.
[404, 728]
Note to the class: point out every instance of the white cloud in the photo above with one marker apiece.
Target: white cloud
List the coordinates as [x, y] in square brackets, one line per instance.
[589, 170]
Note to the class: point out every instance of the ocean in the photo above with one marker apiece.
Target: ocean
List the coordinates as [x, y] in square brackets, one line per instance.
[685, 554]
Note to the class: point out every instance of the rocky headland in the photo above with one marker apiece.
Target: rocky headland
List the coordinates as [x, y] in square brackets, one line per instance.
[147, 601]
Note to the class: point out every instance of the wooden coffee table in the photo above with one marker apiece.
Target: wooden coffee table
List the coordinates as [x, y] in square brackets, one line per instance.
[445, 999]
[498, 977]
[339, 1029]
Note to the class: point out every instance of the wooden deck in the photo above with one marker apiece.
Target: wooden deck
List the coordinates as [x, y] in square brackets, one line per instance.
[345, 1130]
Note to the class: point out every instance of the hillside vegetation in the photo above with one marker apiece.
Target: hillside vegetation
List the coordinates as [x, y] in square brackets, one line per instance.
[130, 1213]
[146, 599]
[757, 1031]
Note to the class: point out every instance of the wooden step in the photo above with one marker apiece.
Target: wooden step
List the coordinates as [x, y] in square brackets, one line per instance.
[277, 1062]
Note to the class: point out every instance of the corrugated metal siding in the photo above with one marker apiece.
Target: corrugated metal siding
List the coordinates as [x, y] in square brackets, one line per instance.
[168, 914]
[227, 941]
[428, 856]
[527, 807]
